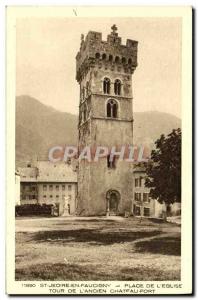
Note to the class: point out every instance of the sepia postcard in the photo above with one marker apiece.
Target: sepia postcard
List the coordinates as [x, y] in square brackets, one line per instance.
[99, 150]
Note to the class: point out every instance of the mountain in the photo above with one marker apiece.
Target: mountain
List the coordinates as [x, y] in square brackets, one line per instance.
[149, 125]
[39, 127]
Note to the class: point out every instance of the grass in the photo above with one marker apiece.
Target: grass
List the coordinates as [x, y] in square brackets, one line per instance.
[60, 272]
[168, 246]
[97, 249]
[90, 236]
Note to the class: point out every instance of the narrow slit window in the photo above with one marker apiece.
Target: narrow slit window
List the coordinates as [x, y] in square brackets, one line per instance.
[110, 163]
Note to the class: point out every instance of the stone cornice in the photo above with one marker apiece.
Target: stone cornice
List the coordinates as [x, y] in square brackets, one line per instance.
[112, 96]
[113, 119]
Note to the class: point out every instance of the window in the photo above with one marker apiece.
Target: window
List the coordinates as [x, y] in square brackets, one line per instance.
[106, 85]
[146, 211]
[44, 196]
[69, 187]
[123, 60]
[110, 57]
[146, 197]
[51, 196]
[129, 61]
[137, 196]
[136, 182]
[63, 187]
[136, 210]
[82, 93]
[104, 56]
[44, 187]
[117, 87]
[51, 187]
[57, 196]
[110, 164]
[33, 188]
[68, 162]
[117, 59]
[57, 187]
[112, 109]
[168, 210]
[97, 55]
[87, 89]
[85, 113]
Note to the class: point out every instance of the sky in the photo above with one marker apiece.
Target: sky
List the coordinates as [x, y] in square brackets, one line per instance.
[45, 60]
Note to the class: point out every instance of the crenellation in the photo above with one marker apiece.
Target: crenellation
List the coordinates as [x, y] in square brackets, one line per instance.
[106, 54]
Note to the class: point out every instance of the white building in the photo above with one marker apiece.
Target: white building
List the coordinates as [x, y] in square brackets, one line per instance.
[49, 183]
[143, 205]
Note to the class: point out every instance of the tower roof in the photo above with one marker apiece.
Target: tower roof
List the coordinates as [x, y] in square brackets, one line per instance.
[93, 50]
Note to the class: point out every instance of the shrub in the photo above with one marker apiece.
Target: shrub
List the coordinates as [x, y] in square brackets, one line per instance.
[33, 209]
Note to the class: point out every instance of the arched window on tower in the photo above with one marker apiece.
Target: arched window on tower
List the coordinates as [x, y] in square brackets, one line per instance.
[117, 59]
[106, 85]
[117, 87]
[104, 56]
[112, 109]
[97, 55]
[110, 57]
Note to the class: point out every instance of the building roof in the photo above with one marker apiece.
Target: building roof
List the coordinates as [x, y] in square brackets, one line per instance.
[28, 174]
[139, 169]
[56, 172]
[46, 171]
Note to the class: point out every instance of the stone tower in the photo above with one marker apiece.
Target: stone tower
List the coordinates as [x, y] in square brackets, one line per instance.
[104, 72]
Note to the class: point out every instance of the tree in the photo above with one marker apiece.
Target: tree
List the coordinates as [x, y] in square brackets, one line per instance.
[164, 169]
